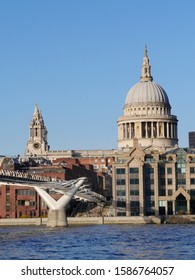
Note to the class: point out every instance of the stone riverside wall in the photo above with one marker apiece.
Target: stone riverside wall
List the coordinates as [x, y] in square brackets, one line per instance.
[100, 220]
[23, 222]
[82, 221]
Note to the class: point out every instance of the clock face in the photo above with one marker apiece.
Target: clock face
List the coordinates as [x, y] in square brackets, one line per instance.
[36, 145]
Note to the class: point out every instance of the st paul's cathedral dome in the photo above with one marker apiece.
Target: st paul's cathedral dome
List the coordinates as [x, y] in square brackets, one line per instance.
[147, 114]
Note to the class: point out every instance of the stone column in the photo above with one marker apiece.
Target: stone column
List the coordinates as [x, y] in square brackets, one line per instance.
[152, 132]
[163, 129]
[172, 130]
[167, 129]
[123, 131]
[130, 130]
[146, 129]
[127, 130]
[175, 131]
[157, 127]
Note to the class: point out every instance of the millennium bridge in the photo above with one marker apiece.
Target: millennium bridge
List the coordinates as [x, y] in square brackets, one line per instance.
[76, 188]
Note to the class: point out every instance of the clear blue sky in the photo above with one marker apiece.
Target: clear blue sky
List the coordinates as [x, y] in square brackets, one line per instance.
[78, 59]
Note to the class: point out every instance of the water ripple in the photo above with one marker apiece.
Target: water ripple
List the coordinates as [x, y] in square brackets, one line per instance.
[98, 242]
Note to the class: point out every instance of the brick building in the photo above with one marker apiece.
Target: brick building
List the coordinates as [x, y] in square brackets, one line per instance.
[17, 201]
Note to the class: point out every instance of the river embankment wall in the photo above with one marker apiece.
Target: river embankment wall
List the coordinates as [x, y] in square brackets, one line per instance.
[101, 220]
[81, 221]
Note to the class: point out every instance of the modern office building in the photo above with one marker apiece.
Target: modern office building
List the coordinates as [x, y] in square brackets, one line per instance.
[153, 183]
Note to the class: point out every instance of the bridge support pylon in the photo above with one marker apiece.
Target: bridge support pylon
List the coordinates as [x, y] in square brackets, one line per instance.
[57, 209]
[57, 218]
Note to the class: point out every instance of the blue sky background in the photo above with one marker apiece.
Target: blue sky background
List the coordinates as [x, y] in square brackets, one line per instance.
[78, 59]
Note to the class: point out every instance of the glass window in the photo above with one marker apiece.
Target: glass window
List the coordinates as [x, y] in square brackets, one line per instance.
[169, 170]
[162, 181]
[192, 170]
[120, 181]
[21, 202]
[149, 192]
[32, 203]
[181, 181]
[134, 170]
[121, 203]
[149, 170]
[134, 192]
[169, 181]
[120, 171]
[192, 193]
[7, 189]
[170, 192]
[134, 181]
[149, 158]
[181, 168]
[134, 208]
[120, 193]
[162, 171]
[162, 203]
[192, 181]
[162, 192]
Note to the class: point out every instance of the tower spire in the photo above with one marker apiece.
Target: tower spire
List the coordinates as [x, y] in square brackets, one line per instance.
[37, 143]
[146, 68]
[36, 111]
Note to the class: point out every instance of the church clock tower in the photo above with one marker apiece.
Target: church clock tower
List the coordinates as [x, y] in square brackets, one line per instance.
[37, 144]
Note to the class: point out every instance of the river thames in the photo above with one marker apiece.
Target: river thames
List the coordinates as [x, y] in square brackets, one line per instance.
[99, 242]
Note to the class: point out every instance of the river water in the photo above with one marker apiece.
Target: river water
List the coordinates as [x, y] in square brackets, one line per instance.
[99, 242]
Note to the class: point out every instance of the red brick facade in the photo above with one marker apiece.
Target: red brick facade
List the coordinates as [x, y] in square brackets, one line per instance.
[17, 201]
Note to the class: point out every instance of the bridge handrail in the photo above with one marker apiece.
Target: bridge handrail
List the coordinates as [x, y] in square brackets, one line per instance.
[24, 176]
